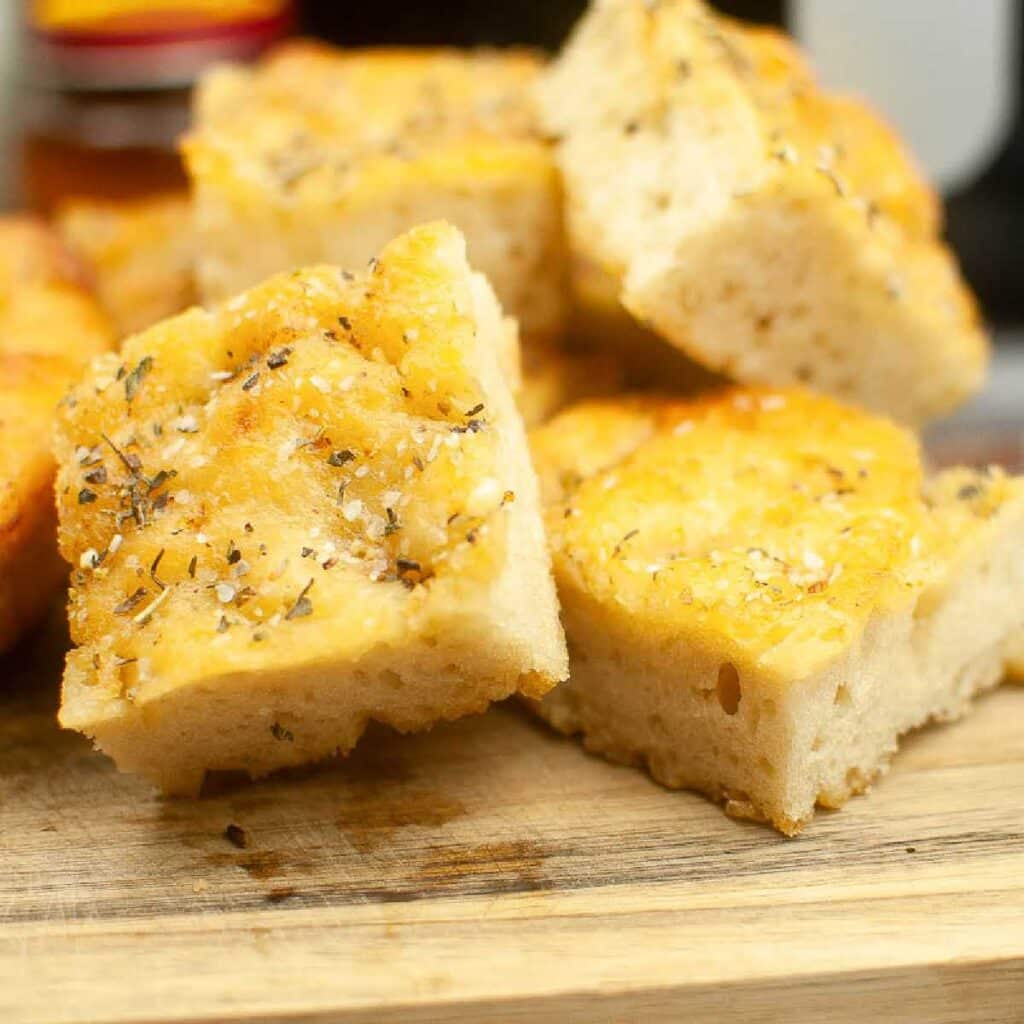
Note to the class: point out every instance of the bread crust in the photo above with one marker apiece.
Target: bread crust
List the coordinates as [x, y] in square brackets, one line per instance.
[324, 155]
[50, 325]
[775, 233]
[762, 591]
[315, 508]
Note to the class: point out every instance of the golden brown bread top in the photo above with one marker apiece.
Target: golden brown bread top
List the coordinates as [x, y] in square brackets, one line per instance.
[721, 76]
[305, 472]
[767, 525]
[312, 118]
[837, 137]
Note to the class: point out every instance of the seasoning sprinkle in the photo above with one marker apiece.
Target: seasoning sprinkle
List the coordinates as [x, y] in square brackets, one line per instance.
[133, 380]
[131, 602]
[152, 570]
[147, 613]
[279, 732]
[309, 442]
[409, 571]
[97, 476]
[475, 410]
[192, 566]
[130, 461]
[303, 605]
[278, 359]
[86, 497]
[339, 458]
[250, 382]
[625, 539]
[161, 478]
[393, 526]
[234, 554]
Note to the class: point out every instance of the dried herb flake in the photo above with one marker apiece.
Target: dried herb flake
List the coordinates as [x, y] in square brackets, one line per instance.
[133, 380]
[131, 602]
[303, 606]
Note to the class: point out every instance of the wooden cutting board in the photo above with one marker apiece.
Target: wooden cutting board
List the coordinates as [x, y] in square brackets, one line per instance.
[491, 871]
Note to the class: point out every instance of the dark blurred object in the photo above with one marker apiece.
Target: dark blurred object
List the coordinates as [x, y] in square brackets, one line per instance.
[100, 145]
[985, 222]
[106, 95]
[141, 44]
[472, 22]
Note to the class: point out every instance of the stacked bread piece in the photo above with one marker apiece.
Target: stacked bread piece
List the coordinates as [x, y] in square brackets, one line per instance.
[318, 508]
[50, 325]
[774, 233]
[310, 504]
[762, 590]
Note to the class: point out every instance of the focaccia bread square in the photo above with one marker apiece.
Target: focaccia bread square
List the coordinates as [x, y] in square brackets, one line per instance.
[320, 154]
[308, 508]
[50, 325]
[762, 591]
[140, 253]
[775, 233]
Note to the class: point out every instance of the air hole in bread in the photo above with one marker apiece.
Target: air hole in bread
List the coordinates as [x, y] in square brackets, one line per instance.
[728, 688]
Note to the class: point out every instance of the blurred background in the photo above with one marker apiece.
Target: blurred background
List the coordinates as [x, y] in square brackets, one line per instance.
[95, 92]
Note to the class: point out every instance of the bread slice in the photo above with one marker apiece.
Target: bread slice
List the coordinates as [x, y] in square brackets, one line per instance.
[50, 325]
[324, 155]
[774, 233]
[762, 592]
[140, 253]
[316, 509]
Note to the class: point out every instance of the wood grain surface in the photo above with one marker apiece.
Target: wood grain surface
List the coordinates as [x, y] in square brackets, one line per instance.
[491, 871]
